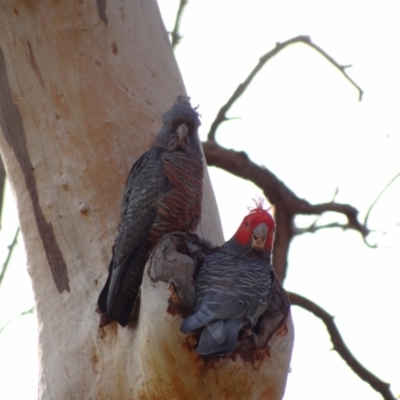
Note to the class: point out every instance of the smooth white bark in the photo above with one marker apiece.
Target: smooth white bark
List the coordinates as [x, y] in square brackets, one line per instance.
[83, 86]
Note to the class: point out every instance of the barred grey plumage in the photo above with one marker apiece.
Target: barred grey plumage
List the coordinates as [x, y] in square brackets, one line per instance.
[233, 286]
[163, 194]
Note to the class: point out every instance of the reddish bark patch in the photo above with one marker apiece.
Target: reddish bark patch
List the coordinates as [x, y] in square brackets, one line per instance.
[191, 341]
[282, 330]
[104, 319]
[255, 356]
[15, 11]
[95, 359]
[98, 63]
[110, 328]
[174, 302]
[269, 393]
[114, 48]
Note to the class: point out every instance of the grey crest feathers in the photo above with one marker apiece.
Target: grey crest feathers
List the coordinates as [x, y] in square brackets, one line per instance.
[181, 114]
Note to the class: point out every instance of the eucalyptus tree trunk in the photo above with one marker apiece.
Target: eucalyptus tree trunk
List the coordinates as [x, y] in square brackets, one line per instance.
[83, 85]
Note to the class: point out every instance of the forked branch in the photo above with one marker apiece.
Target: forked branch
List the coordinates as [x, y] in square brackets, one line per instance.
[340, 346]
[288, 203]
[221, 116]
[175, 35]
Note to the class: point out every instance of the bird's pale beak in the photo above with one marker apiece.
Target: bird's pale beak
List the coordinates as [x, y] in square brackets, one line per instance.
[182, 131]
[259, 237]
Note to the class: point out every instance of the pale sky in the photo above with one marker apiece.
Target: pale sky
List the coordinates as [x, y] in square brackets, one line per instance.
[302, 120]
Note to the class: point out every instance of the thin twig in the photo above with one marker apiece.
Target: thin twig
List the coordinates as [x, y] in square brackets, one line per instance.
[378, 197]
[175, 35]
[315, 228]
[221, 116]
[338, 344]
[336, 193]
[349, 211]
[30, 311]
[10, 250]
[341, 68]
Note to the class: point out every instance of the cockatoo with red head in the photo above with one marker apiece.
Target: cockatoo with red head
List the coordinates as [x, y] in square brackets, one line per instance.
[234, 285]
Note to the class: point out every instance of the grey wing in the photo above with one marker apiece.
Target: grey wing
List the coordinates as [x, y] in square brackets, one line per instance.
[219, 302]
[239, 289]
[219, 337]
[145, 186]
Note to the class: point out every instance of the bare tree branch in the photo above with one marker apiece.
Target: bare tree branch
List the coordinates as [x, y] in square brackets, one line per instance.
[30, 311]
[339, 345]
[221, 116]
[288, 203]
[341, 68]
[346, 209]
[7, 261]
[315, 228]
[175, 35]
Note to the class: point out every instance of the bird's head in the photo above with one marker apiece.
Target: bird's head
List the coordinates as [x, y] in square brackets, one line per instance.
[180, 125]
[257, 229]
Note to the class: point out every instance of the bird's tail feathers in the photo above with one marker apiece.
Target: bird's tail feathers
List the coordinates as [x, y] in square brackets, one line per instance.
[191, 324]
[197, 320]
[219, 338]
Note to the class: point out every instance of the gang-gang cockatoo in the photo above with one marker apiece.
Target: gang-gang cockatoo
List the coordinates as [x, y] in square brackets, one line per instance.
[234, 285]
[163, 194]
